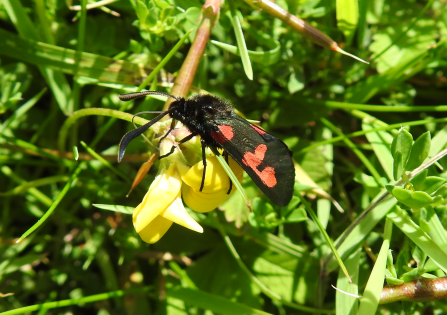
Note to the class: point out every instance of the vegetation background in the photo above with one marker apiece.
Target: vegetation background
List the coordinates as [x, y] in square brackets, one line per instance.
[55, 61]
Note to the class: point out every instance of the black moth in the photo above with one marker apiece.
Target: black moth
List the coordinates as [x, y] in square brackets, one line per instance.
[264, 157]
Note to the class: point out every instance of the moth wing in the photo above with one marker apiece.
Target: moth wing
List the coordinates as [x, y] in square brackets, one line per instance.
[265, 158]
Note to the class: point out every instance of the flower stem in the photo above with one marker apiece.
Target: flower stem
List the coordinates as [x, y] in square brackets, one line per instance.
[420, 290]
[185, 77]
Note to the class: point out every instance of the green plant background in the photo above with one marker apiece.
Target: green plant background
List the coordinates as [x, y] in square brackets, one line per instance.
[55, 61]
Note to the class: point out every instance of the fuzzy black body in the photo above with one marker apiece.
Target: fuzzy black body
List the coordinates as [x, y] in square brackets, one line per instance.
[265, 158]
[202, 114]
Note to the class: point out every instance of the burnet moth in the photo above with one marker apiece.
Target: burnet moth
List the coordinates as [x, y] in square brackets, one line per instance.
[264, 157]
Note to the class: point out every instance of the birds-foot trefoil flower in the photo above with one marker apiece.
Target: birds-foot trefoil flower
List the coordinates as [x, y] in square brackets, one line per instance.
[216, 187]
[162, 205]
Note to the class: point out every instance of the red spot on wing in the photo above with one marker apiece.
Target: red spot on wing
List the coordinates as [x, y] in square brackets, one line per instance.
[258, 130]
[253, 160]
[227, 131]
[218, 137]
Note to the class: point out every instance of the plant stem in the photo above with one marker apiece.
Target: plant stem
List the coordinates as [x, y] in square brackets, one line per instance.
[299, 25]
[185, 77]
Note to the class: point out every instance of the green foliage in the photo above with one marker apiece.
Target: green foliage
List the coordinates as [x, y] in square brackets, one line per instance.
[62, 191]
[421, 191]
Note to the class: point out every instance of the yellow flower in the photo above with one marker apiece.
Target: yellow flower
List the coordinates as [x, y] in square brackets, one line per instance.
[162, 205]
[216, 186]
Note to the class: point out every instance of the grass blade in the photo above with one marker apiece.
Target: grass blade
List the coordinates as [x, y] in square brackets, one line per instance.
[35, 183]
[381, 143]
[267, 58]
[211, 302]
[241, 45]
[73, 180]
[76, 301]
[362, 228]
[13, 120]
[56, 80]
[96, 67]
[115, 208]
[325, 235]
[233, 178]
[347, 304]
[419, 237]
[371, 296]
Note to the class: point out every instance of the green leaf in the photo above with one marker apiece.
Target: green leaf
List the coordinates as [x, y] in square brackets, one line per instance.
[398, 165]
[432, 184]
[401, 194]
[297, 215]
[390, 188]
[347, 17]
[414, 200]
[235, 209]
[142, 12]
[400, 149]
[391, 280]
[419, 179]
[419, 151]
[411, 275]
[389, 264]
[294, 85]
[402, 143]
[402, 261]
[420, 199]
[152, 16]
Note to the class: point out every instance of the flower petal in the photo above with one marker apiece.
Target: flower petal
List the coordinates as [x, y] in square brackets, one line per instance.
[178, 214]
[152, 232]
[216, 179]
[203, 202]
[162, 192]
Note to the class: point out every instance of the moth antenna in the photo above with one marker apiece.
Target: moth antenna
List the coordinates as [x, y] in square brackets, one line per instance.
[135, 133]
[147, 112]
[132, 96]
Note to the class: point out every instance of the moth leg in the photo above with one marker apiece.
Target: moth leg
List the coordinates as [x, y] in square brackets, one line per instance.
[178, 143]
[231, 183]
[204, 164]
[166, 134]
